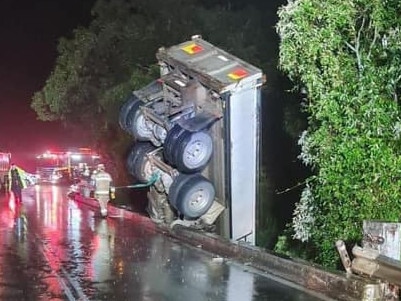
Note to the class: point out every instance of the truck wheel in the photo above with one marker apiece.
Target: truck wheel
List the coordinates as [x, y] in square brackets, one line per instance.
[138, 163]
[191, 195]
[130, 120]
[171, 137]
[175, 187]
[125, 110]
[139, 128]
[192, 151]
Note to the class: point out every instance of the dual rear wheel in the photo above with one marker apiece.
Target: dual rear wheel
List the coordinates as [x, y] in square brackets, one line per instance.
[188, 151]
[190, 194]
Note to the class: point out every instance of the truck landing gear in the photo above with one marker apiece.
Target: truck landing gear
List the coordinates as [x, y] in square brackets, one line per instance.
[197, 224]
[186, 223]
[158, 208]
[205, 222]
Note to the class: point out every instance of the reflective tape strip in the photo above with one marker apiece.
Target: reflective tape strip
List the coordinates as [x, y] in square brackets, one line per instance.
[104, 178]
[102, 192]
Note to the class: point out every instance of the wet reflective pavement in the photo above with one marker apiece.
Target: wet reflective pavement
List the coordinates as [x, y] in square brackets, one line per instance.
[54, 248]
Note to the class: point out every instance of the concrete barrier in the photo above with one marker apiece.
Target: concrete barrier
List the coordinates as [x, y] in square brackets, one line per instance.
[334, 285]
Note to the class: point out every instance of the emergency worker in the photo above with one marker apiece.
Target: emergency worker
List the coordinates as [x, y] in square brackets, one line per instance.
[86, 173]
[93, 175]
[102, 183]
[17, 181]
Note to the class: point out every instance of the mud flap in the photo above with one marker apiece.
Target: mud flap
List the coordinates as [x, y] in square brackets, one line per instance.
[200, 122]
[212, 214]
[205, 221]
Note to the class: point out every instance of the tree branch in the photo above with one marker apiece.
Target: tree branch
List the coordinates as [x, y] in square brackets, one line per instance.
[357, 46]
[375, 35]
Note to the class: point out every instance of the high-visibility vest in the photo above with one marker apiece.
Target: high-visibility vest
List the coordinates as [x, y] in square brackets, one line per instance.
[102, 182]
[22, 176]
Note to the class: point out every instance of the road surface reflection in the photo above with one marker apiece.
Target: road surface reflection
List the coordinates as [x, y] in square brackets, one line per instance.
[54, 248]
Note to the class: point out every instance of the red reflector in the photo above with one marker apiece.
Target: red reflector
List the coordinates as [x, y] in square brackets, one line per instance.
[238, 74]
[192, 48]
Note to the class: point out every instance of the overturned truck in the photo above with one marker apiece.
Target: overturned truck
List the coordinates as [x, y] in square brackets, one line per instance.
[197, 129]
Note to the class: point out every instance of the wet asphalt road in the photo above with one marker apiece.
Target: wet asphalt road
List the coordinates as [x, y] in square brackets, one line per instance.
[54, 248]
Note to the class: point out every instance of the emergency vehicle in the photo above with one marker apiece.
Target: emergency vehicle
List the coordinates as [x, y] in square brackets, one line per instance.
[5, 161]
[62, 167]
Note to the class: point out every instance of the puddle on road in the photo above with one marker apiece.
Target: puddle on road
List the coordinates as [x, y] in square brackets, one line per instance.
[64, 243]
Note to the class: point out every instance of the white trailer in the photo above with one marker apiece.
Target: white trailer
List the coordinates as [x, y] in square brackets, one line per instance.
[197, 127]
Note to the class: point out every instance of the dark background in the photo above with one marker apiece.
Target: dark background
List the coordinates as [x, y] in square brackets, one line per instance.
[30, 31]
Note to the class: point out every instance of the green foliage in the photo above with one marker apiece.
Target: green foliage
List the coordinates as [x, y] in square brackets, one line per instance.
[293, 248]
[347, 55]
[70, 85]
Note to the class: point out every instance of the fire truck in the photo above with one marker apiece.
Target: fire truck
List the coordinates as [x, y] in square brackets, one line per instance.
[5, 161]
[61, 167]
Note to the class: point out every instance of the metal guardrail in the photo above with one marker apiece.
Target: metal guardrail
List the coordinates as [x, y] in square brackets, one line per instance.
[384, 271]
[371, 262]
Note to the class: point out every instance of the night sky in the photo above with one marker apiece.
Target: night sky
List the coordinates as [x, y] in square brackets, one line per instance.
[30, 31]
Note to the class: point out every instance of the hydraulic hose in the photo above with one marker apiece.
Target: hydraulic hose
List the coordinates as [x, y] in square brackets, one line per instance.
[153, 179]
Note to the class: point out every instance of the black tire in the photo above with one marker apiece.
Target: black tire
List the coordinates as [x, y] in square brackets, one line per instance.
[169, 142]
[175, 187]
[125, 110]
[192, 195]
[192, 151]
[130, 119]
[137, 161]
